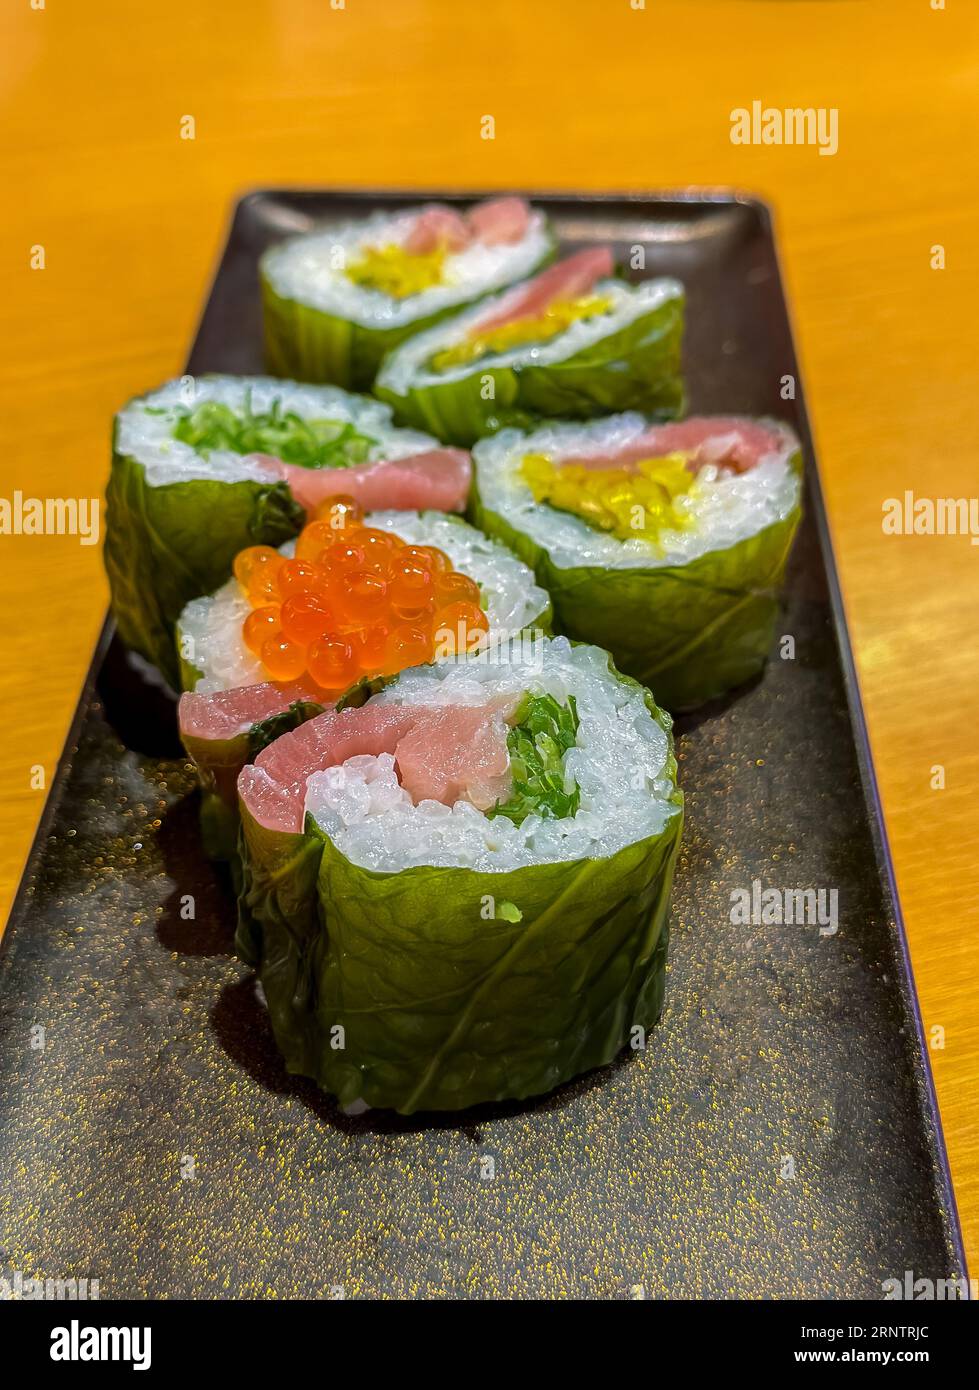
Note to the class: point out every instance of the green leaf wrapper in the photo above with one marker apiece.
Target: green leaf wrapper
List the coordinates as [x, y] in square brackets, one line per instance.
[167, 544]
[312, 345]
[440, 1006]
[634, 368]
[689, 632]
[219, 761]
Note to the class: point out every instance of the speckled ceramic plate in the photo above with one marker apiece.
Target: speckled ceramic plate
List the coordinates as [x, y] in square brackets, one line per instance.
[777, 1139]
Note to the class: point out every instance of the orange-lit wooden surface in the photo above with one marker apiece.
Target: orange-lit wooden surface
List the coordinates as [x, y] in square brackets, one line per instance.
[587, 94]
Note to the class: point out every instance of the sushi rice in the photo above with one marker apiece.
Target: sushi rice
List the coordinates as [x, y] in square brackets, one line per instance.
[620, 747]
[178, 512]
[691, 612]
[214, 658]
[627, 356]
[322, 325]
[463, 955]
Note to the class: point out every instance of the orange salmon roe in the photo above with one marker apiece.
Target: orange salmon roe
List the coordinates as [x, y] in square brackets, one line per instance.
[356, 601]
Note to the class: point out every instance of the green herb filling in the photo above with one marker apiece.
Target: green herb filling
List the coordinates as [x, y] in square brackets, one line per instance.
[537, 742]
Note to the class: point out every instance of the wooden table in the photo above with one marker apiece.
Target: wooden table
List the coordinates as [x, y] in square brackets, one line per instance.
[585, 94]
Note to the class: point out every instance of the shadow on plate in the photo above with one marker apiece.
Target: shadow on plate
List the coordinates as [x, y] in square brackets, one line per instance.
[138, 703]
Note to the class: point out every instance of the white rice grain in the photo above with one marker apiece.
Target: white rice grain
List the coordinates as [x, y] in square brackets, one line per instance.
[619, 763]
[723, 507]
[311, 269]
[408, 367]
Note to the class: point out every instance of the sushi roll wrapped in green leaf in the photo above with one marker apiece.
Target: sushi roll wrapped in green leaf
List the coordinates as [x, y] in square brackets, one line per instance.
[667, 543]
[338, 298]
[575, 342]
[203, 468]
[459, 892]
[239, 696]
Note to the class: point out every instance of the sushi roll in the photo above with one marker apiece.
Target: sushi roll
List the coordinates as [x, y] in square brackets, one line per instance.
[459, 891]
[293, 633]
[575, 341]
[201, 469]
[667, 543]
[339, 298]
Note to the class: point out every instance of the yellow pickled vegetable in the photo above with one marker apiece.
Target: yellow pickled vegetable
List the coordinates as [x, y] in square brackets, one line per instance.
[637, 500]
[397, 272]
[539, 328]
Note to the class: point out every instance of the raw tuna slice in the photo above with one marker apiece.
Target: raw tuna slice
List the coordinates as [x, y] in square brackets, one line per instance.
[227, 713]
[435, 227]
[444, 753]
[497, 222]
[500, 221]
[216, 728]
[567, 280]
[727, 440]
[437, 480]
[456, 753]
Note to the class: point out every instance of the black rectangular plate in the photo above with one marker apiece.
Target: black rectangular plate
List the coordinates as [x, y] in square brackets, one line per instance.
[779, 1136]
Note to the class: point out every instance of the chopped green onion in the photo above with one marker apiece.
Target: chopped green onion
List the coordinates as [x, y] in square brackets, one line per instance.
[281, 433]
[537, 742]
